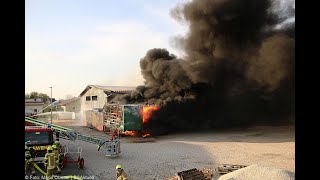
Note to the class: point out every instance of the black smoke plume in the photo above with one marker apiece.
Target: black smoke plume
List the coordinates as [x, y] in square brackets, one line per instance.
[238, 69]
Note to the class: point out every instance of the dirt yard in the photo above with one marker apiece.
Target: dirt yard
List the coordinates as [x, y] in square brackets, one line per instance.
[164, 156]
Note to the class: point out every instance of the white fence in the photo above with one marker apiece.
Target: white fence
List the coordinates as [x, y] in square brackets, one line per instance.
[57, 115]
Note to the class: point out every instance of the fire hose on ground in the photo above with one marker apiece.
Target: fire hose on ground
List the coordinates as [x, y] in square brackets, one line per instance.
[62, 177]
[39, 169]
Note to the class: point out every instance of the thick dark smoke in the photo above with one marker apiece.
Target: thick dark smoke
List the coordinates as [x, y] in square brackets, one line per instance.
[165, 78]
[238, 69]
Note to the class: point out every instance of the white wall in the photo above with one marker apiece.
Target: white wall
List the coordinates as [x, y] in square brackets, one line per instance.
[32, 107]
[59, 115]
[66, 116]
[89, 105]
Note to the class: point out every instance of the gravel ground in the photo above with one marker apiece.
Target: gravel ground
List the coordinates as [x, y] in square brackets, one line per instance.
[164, 156]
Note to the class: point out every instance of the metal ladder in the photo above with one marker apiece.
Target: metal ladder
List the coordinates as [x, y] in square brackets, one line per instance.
[70, 134]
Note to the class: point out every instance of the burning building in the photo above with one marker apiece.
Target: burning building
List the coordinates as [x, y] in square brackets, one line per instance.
[130, 119]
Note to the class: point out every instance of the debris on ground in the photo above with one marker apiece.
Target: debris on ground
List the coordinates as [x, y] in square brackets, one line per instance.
[206, 173]
[257, 172]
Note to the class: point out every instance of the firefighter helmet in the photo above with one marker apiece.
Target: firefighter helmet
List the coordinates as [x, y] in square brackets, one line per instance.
[27, 155]
[118, 166]
[57, 142]
[49, 148]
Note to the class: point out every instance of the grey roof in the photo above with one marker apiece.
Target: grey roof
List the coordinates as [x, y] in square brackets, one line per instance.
[33, 100]
[34, 103]
[109, 88]
[64, 102]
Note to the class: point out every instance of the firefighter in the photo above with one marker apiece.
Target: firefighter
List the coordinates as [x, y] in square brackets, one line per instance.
[59, 146]
[49, 162]
[31, 150]
[121, 175]
[57, 135]
[57, 156]
[28, 161]
[60, 150]
[26, 148]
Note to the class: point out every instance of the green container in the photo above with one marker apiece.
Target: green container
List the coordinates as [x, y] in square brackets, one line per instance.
[131, 118]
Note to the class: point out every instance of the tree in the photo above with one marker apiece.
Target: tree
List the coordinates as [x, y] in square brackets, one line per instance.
[35, 94]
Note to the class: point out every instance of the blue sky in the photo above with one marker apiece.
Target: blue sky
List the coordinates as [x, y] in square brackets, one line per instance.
[72, 43]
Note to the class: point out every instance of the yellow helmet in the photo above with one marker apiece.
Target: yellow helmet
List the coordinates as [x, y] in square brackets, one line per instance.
[26, 147]
[27, 154]
[54, 146]
[118, 166]
[49, 148]
[57, 142]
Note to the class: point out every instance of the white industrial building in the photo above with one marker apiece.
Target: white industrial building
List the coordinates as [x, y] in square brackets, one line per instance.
[96, 96]
[33, 106]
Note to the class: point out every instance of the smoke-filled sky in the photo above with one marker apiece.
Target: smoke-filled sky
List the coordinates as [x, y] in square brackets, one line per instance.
[70, 44]
[239, 44]
[73, 43]
[237, 68]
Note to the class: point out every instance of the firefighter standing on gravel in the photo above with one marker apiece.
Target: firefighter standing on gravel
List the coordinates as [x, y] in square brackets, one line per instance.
[60, 150]
[28, 161]
[121, 175]
[50, 162]
[57, 157]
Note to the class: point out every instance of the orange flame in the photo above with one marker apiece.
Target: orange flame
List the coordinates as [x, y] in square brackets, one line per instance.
[146, 135]
[130, 133]
[147, 112]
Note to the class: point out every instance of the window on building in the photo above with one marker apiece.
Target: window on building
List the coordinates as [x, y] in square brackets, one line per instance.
[35, 110]
[88, 98]
[94, 98]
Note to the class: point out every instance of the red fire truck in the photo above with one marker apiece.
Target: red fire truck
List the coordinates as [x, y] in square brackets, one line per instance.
[38, 138]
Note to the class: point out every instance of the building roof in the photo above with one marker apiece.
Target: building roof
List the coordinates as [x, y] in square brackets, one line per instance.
[33, 104]
[38, 100]
[116, 89]
[67, 101]
[33, 100]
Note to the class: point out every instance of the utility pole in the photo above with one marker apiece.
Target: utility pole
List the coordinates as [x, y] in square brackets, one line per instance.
[51, 103]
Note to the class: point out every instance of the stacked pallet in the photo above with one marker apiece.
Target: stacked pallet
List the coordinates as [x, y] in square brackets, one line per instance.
[191, 174]
[206, 173]
[227, 168]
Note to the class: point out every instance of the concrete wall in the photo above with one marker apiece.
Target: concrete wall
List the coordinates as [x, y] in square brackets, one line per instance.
[57, 115]
[94, 120]
[89, 105]
[78, 116]
[66, 115]
[32, 107]
[74, 106]
[64, 108]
